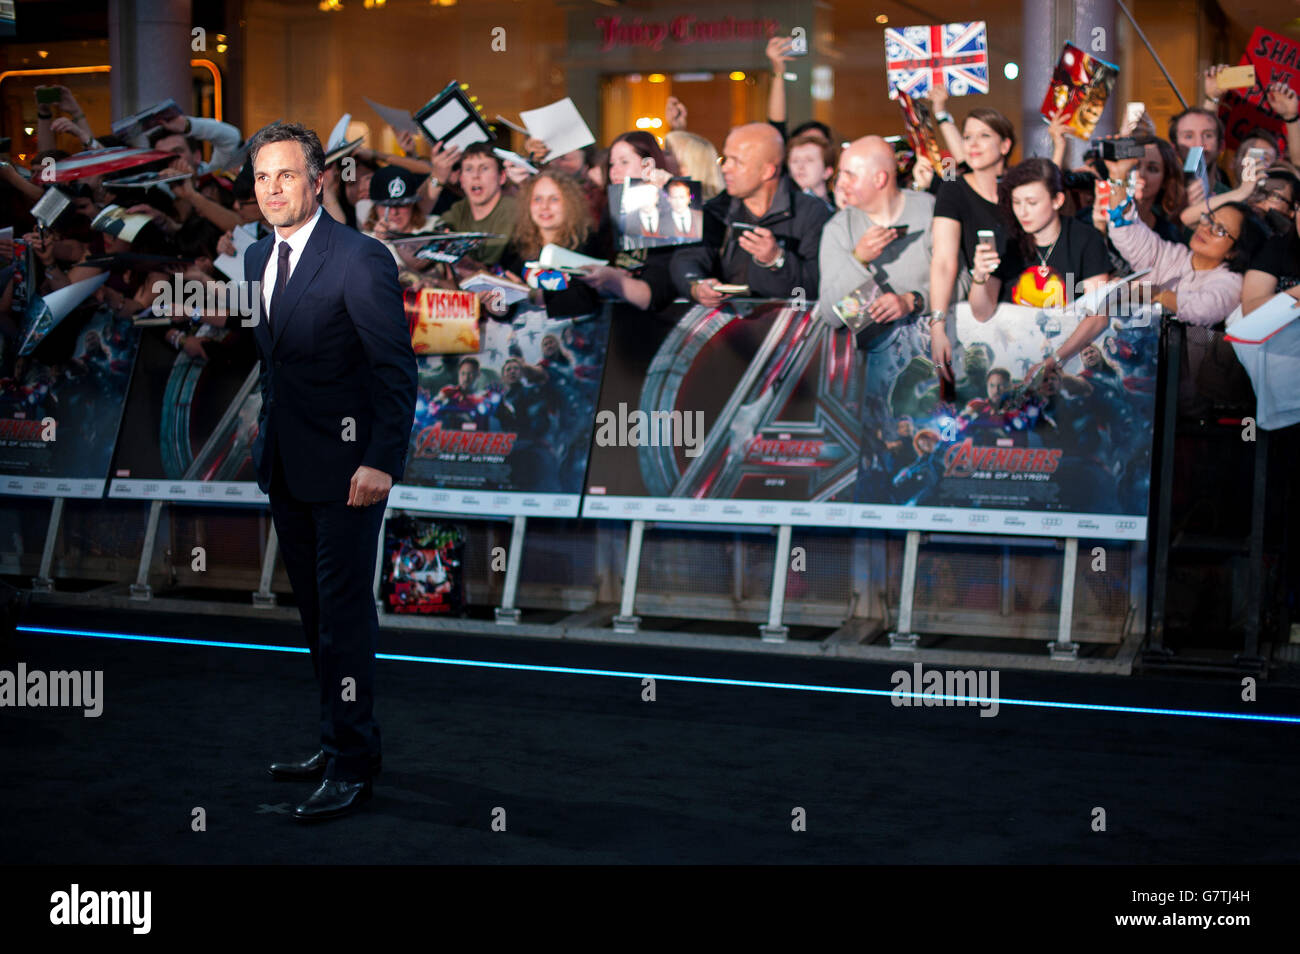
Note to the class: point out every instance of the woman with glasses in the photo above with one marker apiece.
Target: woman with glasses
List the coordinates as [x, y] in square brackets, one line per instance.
[1276, 268]
[1199, 282]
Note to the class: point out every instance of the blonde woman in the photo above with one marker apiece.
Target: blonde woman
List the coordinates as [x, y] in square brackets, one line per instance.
[697, 159]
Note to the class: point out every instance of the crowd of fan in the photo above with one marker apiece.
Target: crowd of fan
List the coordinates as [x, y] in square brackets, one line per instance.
[786, 213]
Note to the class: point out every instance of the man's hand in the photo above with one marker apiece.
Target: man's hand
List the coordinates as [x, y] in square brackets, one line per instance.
[888, 307]
[872, 243]
[65, 125]
[176, 124]
[193, 346]
[1195, 191]
[777, 48]
[442, 161]
[922, 174]
[941, 350]
[535, 149]
[1212, 90]
[939, 98]
[761, 245]
[706, 294]
[1282, 99]
[369, 486]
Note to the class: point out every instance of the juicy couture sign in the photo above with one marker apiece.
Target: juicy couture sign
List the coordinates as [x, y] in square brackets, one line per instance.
[652, 34]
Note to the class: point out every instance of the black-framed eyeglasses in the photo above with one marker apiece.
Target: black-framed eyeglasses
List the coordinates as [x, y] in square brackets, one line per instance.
[1214, 228]
[1262, 194]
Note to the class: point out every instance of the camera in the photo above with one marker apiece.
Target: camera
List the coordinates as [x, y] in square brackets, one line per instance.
[1115, 148]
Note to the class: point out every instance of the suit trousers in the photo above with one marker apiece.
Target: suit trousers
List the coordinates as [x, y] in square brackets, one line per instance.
[329, 552]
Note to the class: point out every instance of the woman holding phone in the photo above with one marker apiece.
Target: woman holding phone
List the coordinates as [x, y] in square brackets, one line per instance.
[1049, 256]
[964, 207]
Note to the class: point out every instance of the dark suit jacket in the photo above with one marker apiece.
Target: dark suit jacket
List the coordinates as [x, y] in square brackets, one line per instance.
[338, 347]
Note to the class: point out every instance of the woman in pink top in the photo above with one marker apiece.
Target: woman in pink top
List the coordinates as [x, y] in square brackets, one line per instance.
[1199, 282]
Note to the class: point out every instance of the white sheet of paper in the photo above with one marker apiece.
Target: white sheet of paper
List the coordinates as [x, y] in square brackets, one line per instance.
[560, 126]
[232, 266]
[1265, 321]
[558, 255]
[399, 119]
[468, 136]
[483, 282]
[448, 116]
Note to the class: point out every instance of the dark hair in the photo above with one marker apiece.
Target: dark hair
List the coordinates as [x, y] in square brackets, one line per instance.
[482, 149]
[645, 146]
[803, 128]
[157, 135]
[1171, 197]
[1258, 132]
[1249, 242]
[679, 182]
[469, 359]
[830, 151]
[1027, 173]
[290, 132]
[1000, 372]
[1200, 111]
[1282, 174]
[1000, 125]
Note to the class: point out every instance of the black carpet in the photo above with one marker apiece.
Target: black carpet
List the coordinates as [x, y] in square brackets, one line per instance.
[587, 772]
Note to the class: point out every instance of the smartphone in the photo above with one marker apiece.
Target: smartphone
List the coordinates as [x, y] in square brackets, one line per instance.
[1132, 181]
[1194, 165]
[1258, 155]
[744, 226]
[48, 94]
[1132, 113]
[901, 229]
[986, 237]
[731, 289]
[1236, 77]
[798, 45]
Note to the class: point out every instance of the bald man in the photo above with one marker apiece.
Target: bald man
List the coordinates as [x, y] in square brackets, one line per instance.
[880, 242]
[777, 255]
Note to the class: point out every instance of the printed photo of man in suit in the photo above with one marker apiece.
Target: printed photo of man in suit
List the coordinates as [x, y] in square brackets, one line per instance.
[339, 382]
[686, 224]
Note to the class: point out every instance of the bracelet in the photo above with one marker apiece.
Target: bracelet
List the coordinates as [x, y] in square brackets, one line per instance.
[45, 115]
[1293, 119]
[976, 281]
[944, 117]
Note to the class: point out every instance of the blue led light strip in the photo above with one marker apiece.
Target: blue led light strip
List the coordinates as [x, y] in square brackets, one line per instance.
[665, 677]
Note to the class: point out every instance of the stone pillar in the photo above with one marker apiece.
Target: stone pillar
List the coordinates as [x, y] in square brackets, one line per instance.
[149, 49]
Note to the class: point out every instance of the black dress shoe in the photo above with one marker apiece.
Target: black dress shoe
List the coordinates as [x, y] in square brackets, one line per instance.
[312, 769]
[333, 799]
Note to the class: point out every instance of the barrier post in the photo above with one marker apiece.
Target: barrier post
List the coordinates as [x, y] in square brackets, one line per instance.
[43, 582]
[140, 589]
[626, 621]
[263, 598]
[507, 613]
[903, 637]
[1063, 648]
[774, 631]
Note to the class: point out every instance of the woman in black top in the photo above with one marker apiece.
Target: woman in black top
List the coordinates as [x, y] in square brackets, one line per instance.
[553, 211]
[963, 207]
[1277, 266]
[1049, 257]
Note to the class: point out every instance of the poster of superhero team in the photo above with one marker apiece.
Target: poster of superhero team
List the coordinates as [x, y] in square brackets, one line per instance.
[800, 425]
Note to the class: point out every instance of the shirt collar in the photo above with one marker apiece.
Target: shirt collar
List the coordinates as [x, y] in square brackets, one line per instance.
[298, 240]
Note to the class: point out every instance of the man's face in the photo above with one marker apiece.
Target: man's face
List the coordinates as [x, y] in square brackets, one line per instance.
[285, 193]
[481, 178]
[679, 197]
[1198, 130]
[550, 345]
[742, 167]
[905, 429]
[857, 180]
[466, 376]
[510, 372]
[997, 386]
[178, 147]
[1090, 356]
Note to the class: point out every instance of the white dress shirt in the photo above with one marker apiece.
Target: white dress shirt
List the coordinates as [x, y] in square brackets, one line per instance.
[683, 223]
[297, 242]
[650, 220]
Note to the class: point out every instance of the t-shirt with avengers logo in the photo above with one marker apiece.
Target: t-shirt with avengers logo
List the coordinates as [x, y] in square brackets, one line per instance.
[1079, 253]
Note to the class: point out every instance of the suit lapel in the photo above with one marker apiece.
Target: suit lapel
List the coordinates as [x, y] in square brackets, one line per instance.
[309, 263]
[255, 271]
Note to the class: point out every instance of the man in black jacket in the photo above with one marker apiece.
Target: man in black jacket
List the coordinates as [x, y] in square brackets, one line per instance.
[778, 253]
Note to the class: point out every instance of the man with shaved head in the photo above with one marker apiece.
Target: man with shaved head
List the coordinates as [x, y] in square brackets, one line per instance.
[880, 242]
[762, 232]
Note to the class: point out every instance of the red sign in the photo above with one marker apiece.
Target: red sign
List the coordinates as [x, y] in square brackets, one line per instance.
[617, 32]
[1275, 58]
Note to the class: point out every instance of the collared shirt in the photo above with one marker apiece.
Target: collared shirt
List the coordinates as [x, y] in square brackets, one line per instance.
[683, 223]
[650, 220]
[297, 242]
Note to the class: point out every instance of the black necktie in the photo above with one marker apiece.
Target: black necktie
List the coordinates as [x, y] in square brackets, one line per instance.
[281, 278]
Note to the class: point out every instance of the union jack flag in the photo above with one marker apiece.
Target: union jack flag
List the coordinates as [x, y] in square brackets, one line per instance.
[952, 55]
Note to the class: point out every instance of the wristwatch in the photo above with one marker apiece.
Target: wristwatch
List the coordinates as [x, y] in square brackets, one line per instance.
[944, 117]
[938, 317]
[780, 261]
[918, 304]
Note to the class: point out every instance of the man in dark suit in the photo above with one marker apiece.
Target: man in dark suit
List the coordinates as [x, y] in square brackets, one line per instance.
[685, 222]
[338, 396]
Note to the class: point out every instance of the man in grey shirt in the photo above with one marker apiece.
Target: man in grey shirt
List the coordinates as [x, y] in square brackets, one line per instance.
[881, 240]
